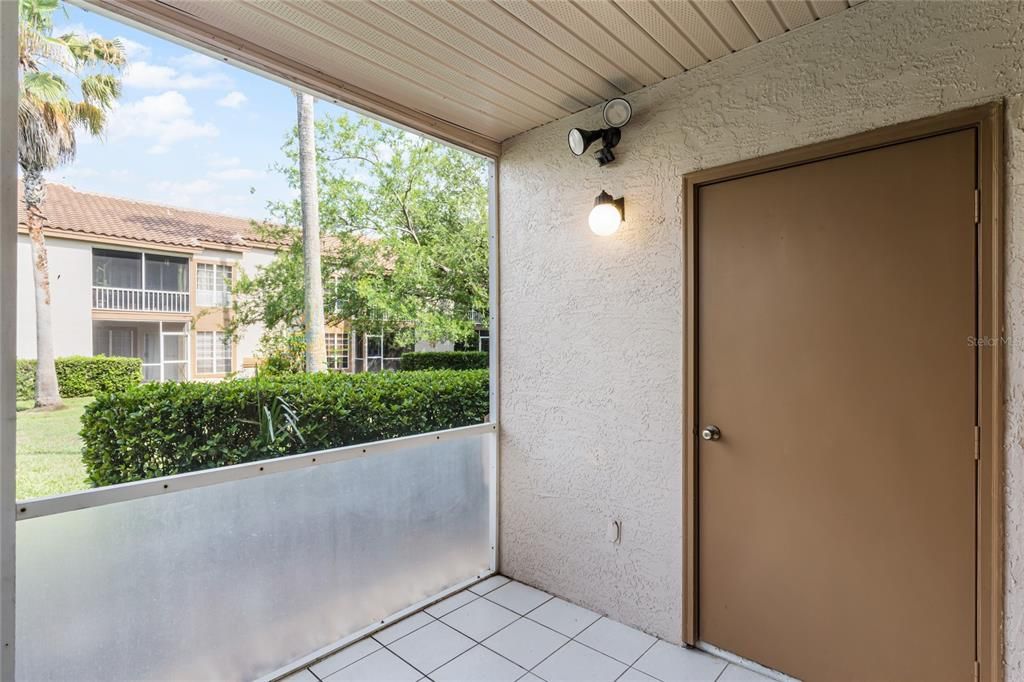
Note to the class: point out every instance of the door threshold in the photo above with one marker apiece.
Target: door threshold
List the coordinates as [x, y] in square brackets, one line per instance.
[744, 663]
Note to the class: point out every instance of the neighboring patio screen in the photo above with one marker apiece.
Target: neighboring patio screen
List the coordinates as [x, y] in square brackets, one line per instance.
[233, 580]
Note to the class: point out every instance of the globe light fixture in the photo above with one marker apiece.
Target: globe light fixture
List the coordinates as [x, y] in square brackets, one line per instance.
[607, 214]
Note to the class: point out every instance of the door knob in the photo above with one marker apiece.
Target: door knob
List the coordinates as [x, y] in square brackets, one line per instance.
[711, 432]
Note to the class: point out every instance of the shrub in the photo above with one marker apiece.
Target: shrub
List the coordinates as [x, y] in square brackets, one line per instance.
[170, 428]
[445, 360]
[282, 353]
[78, 376]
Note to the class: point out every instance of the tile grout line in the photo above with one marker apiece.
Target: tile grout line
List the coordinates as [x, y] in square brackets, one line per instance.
[481, 642]
[633, 664]
[385, 646]
[381, 645]
[518, 618]
[429, 673]
[570, 639]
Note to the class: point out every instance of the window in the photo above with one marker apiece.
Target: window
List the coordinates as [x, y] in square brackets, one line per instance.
[482, 342]
[337, 351]
[213, 353]
[166, 273]
[113, 341]
[213, 285]
[134, 270]
[120, 269]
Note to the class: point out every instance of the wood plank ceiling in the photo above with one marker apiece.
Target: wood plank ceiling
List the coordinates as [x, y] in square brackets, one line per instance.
[493, 68]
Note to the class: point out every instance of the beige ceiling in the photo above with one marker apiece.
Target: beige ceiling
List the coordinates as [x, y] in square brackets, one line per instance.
[478, 70]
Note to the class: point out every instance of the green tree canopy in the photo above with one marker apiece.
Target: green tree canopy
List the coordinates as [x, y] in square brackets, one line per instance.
[404, 228]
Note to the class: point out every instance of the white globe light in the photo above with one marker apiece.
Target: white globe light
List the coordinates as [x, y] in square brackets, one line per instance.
[605, 219]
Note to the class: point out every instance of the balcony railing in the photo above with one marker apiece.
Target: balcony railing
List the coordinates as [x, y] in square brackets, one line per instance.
[139, 300]
[247, 571]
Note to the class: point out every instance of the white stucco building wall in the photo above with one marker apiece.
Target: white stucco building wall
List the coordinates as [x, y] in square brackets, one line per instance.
[592, 329]
[71, 288]
[249, 339]
[71, 284]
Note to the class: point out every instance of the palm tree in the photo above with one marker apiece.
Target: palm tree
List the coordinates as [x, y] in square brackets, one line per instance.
[316, 350]
[48, 120]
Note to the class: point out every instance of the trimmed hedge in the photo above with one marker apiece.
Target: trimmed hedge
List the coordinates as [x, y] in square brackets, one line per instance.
[160, 429]
[79, 375]
[445, 360]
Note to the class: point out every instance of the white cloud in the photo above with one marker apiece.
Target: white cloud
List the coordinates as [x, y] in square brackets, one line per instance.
[166, 119]
[134, 50]
[157, 77]
[195, 60]
[232, 100]
[78, 29]
[236, 174]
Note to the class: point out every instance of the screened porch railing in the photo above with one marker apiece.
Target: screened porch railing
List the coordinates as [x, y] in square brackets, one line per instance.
[140, 300]
[240, 572]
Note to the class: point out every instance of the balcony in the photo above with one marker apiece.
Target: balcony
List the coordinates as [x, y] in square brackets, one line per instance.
[139, 300]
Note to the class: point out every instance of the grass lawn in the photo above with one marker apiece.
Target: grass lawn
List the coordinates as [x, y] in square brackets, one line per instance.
[49, 450]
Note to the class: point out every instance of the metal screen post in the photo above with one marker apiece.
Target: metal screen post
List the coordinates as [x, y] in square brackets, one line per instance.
[494, 341]
[8, 321]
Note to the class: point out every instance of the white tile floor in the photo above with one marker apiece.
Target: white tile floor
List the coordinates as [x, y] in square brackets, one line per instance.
[500, 630]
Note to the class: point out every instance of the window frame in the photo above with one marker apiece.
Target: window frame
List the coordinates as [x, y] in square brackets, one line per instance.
[219, 339]
[223, 274]
[338, 352]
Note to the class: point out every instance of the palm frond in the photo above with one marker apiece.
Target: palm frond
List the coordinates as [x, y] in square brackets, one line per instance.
[101, 90]
[48, 116]
[90, 116]
[43, 86]
[95, 50]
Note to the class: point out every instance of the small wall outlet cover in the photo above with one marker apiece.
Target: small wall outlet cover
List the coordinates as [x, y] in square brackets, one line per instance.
[614, 533]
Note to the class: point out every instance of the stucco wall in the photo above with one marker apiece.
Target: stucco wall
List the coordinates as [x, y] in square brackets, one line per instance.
[71, 288]
[591, 328]
[249, 339]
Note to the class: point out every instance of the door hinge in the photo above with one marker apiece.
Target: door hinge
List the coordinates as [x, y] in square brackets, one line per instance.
[977, 671]
[977, 206]
[977, 442]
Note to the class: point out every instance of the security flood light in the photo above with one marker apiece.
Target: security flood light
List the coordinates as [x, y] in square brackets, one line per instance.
[616, 113]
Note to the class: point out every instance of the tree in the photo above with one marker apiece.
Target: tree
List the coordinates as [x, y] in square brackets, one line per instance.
[312, 282]
[405, 246]
[49, 117]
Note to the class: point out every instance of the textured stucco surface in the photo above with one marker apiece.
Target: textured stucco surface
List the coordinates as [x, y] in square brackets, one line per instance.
[71, 285]
[592, 329]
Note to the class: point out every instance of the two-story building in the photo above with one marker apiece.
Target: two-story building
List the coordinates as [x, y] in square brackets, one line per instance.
[144, 280]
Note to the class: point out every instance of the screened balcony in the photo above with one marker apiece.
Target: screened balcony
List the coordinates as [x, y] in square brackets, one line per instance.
[131, 281]
[271, 569]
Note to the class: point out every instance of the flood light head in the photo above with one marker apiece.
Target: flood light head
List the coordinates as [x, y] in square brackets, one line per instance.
[580, 140]
[617, 112]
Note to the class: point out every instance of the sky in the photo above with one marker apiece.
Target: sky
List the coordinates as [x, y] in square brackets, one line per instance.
[188, 130]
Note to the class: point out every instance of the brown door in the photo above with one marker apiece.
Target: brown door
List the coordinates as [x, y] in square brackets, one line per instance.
[836, 513]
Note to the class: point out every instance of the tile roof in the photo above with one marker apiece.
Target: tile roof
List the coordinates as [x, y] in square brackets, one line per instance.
[69, 210]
